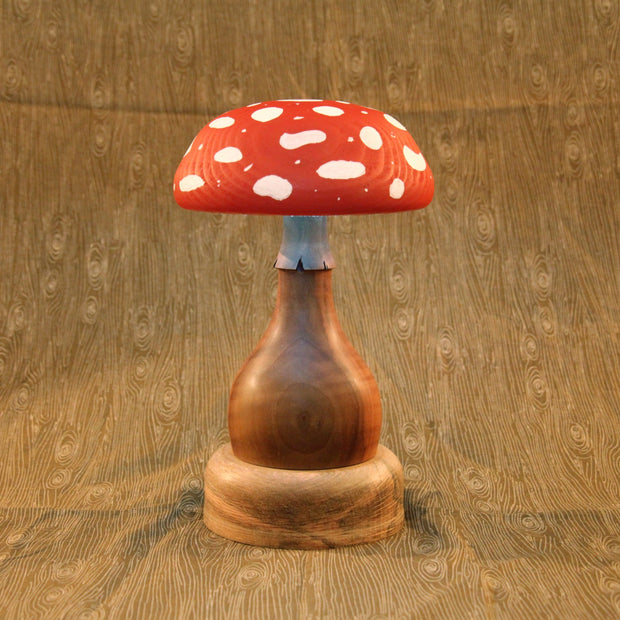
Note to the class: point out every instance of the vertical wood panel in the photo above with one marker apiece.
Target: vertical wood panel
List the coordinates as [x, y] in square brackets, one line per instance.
[490, 319]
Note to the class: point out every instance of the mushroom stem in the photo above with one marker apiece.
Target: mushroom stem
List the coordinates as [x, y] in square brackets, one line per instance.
[304, 399]
[304, 244]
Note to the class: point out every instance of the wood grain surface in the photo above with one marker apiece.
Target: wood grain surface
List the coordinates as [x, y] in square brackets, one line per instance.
[304, 398]
[303, 508]
[489, 319]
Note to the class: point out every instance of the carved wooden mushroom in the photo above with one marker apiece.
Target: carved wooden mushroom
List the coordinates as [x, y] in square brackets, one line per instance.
[304, 467]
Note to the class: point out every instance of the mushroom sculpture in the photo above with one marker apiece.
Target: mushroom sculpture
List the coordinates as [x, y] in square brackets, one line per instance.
[304, 467]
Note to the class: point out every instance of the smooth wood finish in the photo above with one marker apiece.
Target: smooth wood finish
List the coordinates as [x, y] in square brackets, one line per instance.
[303, 509]
[304, 399]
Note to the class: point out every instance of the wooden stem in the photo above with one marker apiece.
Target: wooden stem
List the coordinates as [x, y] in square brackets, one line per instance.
[304, 244]
[304, 399]
[304, 468]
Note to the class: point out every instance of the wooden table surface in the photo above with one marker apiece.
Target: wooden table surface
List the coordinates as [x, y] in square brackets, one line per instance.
[490, 319]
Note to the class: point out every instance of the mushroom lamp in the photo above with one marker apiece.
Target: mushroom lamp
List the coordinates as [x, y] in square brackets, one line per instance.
[304, 467]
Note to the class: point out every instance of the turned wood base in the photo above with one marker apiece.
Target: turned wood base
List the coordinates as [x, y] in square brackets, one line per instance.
[303, 509]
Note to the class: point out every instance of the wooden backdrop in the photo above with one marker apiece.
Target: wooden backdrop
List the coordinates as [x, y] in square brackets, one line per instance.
[490, 319]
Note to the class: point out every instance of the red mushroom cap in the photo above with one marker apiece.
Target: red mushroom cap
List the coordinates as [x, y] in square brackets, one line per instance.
[303, 157]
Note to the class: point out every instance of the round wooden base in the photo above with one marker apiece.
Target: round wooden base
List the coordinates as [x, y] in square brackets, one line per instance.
[303, 509]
